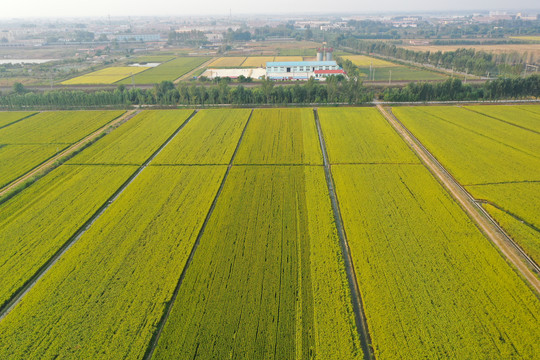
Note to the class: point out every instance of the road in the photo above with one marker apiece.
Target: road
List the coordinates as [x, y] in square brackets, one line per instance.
[465, 200]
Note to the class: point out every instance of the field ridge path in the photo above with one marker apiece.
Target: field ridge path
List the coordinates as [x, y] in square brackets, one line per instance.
[358, 307]
[23, 290]
[47, 164]
[168, 308]
[489, 227]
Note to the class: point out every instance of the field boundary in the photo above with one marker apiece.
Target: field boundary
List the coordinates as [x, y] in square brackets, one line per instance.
[168, 309]
[51, 162]
[26, 287]
[21, 119]
[511, 251]
[358, 306]
[501, 120]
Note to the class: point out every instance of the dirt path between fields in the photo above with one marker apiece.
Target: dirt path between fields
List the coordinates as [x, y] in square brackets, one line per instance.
[189, 73]
[505, 245]
[74, 147]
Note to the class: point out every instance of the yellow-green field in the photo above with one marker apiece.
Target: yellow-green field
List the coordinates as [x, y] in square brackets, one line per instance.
[526, 38]
[231, 61]
[257, 61]
[366, 61]
[288, 58]
[106, 76]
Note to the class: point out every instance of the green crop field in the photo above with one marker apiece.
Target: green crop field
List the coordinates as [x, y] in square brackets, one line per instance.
[496, 160]
[249, 292]
[349, 136]
[168, 71]
[223, 234]
[134, 141]
[280, 136]
[10, 117]
[119, 274]
[209, 138]
[37, 222]
[432, 285]
[28, 143]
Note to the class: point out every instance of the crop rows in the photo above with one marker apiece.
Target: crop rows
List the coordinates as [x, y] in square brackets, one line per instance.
[134, 141]
[267, 280]
[524, 115]
[108, 75]
[362, 135]
[280, 136]
[168, 71]
[209, 138]
[37, 222]
[432, 285]
[9, 117]
[28, 143]
[496, 161]
[105, 296]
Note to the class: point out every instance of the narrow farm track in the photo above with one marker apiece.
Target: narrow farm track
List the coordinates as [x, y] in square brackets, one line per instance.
[513, 253]
[43, 167]
[360, 317]
[189, 73]
[18, 296]
[155, 339]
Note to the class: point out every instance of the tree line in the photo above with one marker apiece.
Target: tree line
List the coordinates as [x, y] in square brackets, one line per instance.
[474, 62]
[455, 90]
[334, 90]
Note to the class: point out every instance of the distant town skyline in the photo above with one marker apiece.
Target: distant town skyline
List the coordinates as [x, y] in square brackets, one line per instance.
[70, 8]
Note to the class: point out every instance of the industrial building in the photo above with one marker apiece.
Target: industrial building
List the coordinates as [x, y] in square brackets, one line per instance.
[323, 67]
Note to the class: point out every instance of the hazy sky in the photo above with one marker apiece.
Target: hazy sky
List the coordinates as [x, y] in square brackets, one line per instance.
[61, 8]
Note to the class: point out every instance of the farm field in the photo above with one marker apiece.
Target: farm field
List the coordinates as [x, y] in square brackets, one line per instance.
[17, 160]
[152, 59]
[257, 61]
[526, 116]
[383, 70]
[26, 144]
[250, 290]
[229, 244]
[503, 170]
[168, 71]
[134, 142]
[280, 136]
[431, 284]
[120, 274]
[38, 221]
[105, 76]
[9, 117]
[349, 136]
[225, 62]
[288, 58]
[209, 138]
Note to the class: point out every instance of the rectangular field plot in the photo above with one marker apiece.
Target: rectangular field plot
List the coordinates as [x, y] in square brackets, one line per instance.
[472, 157]
[362, 135]
[432, 286]
[17, 160]
[64, 127]
[9, 117]
[135, 141]
[104, 298]
[168, 71]
[267, 280]
[367, 61]
[106, 76]
[280, 136]
[508, 135]
[209, 138]
[526, 116]
[229, 61]
[257, 61]
[37, 222]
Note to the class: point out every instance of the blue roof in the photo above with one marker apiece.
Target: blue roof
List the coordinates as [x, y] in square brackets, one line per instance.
[300, 63]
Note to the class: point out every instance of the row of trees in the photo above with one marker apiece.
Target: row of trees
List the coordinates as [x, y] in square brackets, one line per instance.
[335, 90]
[455, 90]
[463, 60]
